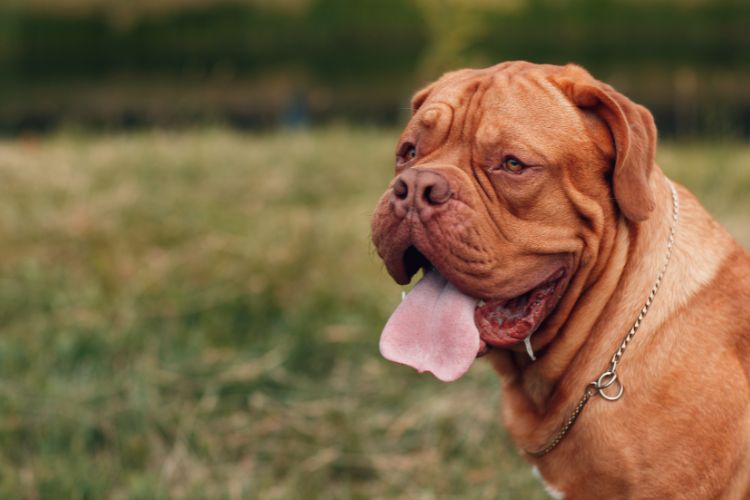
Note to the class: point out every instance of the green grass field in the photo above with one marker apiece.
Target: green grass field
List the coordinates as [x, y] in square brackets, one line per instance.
[196, 314]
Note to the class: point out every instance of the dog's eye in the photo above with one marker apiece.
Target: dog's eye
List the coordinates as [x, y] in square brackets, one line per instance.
[406, 153]
[513, 165]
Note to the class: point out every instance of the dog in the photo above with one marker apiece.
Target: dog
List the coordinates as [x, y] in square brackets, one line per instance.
[615, 309]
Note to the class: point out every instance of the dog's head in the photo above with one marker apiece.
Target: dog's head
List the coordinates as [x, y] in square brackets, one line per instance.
[507, 180]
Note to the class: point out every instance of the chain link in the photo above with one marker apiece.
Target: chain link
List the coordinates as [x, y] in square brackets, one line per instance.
[609, 378]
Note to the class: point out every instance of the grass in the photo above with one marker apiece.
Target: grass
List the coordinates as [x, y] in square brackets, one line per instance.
[196, 314]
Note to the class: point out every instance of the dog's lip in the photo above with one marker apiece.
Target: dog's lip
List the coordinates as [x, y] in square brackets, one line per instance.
[557, 275]
[404, 259]
[554, 285]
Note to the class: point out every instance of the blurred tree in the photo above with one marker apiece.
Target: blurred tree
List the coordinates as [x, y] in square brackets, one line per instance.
[108, 62]
[454, 27]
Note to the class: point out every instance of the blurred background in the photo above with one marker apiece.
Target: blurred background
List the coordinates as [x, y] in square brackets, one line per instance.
[261, 63]
[189, 302]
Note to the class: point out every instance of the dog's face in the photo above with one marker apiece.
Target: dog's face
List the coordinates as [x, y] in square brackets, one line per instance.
[506, 179]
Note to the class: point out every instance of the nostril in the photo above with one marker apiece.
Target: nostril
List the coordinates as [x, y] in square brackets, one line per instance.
[437, 193]
[400, 189]
[428, 195]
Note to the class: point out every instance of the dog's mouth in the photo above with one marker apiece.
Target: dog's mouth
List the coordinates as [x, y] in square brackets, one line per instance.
[505, 322]
[440, 329]
[413, 260]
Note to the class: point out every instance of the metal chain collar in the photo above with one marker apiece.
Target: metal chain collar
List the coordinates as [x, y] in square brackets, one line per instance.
[608, 378]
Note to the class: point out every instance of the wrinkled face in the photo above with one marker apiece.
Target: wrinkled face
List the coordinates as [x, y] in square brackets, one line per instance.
[500, 185]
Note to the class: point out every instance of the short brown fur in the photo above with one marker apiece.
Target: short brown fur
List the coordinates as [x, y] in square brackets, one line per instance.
[596, 203]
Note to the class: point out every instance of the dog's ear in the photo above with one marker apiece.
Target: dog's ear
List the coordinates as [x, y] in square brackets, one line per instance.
[634, 133]
[420, 97]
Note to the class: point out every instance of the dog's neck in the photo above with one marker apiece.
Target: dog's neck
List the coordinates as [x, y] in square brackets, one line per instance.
[609, 289]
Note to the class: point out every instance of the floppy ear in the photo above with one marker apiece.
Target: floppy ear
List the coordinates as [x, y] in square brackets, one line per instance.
[634, 133]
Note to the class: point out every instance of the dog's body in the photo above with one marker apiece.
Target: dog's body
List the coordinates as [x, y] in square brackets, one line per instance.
[534, 189]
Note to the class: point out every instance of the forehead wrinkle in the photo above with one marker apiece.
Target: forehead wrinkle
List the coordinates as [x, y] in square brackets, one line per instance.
[460, 78]
[530, 107]
[474, 110]
[536, 90]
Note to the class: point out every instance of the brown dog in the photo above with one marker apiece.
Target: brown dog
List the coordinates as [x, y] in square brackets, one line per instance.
[530, 197]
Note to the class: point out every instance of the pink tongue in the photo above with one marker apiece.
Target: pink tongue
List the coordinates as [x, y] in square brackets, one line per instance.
[433, 329]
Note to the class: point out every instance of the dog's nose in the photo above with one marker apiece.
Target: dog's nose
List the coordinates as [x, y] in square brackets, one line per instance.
[423, 189]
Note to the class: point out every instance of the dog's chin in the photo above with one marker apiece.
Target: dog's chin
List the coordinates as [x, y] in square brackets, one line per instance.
[503, 322]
